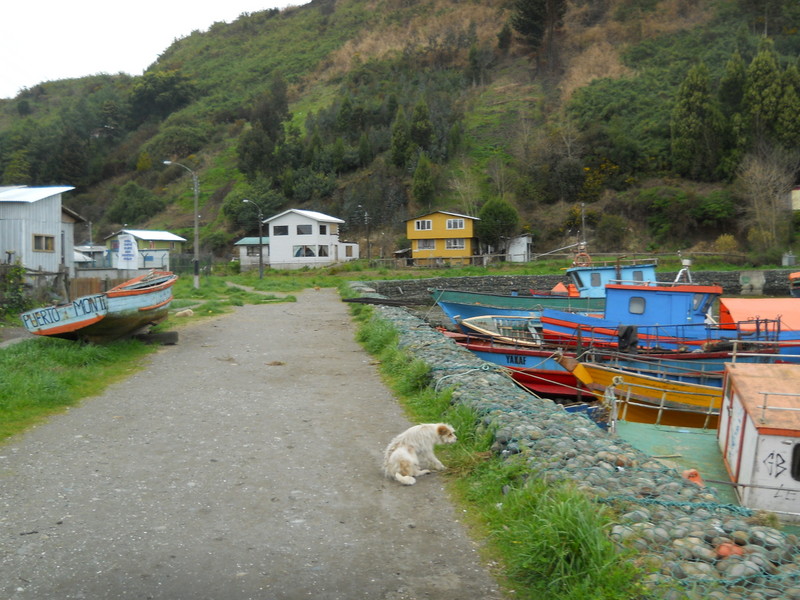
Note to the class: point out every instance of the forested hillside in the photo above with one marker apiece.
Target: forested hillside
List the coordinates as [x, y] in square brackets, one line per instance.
[672, 124]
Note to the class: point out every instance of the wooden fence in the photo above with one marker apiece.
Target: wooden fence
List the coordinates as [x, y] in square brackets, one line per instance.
[84, 286]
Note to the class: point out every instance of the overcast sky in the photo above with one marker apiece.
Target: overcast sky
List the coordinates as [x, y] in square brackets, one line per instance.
[58, 39]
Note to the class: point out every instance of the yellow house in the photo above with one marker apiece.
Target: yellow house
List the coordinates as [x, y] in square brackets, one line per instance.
[440, 237]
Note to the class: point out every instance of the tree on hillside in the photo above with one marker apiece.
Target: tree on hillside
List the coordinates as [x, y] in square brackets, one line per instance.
[695, 125]
[254, 151]
[401, 139]
[763, 92]
[17, 170]
[499, 221]
[536, 21]
[734, 136]
[787, 128]
[133, 205]
[765, 180]
[423, 186]
[157, 94]
[769, 17]
[420, 129]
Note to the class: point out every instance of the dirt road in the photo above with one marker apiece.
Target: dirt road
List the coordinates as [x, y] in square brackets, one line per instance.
[242, 463]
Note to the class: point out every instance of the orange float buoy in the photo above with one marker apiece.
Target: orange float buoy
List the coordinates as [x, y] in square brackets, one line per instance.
[694, 476]
[726, 549]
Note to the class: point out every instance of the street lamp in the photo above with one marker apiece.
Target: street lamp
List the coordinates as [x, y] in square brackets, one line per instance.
[196, 259]
[366, 223]
[260, 238]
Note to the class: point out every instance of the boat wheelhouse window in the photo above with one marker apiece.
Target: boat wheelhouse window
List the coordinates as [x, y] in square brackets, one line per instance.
[280, 230]
[638, 275]
[304, 229]
[576, 279]
[796, 462]
[697, 300]
[636, 305]
[596, 281]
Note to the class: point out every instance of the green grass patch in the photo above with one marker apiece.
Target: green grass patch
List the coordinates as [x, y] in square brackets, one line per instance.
[552, 538]
[43, 376]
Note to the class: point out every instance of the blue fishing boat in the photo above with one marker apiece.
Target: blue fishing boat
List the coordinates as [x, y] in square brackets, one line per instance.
[586, 292]
[664, 316]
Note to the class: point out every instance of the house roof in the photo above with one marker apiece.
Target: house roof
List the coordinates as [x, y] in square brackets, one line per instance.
[311, 214]
[72, 214]
[23, 193]
[150, 236]
[443, 212]
[252, 241]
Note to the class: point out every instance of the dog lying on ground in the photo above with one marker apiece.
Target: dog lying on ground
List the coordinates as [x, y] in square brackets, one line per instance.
[410, 454]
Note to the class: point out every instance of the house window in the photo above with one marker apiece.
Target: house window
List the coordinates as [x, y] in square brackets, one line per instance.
[322, 251]
[323, 230]
[348, 251]
[304, 230]
[426, 244]
[424, 225]
[455, 244]
[44, 243]
[299, 251]
[455, 223]
[280, 230]
[252, 250]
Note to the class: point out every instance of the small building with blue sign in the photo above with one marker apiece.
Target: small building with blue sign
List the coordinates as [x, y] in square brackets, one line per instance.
[130, 249]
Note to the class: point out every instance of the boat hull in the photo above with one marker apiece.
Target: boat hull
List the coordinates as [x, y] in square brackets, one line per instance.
[646, 399]
[122, 311]
[458, 305]
[66, 319]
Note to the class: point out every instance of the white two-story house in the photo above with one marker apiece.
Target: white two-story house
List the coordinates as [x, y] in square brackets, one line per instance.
[305, 238]
[36, 229]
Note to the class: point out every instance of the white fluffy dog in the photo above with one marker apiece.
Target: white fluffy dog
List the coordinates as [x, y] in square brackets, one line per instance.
[410, 454]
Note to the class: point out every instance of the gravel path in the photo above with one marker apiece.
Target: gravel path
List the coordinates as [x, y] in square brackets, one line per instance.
[242, 463]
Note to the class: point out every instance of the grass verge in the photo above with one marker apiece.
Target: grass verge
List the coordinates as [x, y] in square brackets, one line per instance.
[43, 376]
[543, 540]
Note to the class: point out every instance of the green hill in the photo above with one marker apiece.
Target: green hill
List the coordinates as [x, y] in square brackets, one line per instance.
[670, 124]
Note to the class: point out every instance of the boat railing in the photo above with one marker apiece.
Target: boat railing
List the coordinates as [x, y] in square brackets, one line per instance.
[696, 371]
[662, 406]
[765, 404]
[762, 330]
